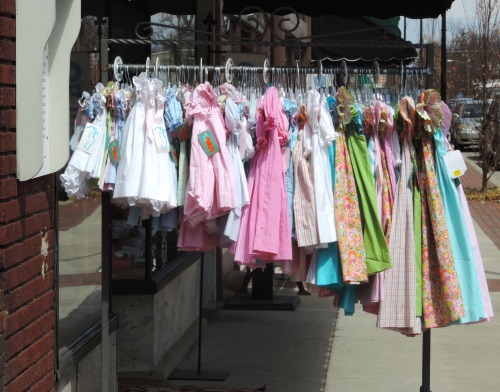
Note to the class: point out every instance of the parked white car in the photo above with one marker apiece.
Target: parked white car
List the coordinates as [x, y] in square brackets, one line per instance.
[466, 123]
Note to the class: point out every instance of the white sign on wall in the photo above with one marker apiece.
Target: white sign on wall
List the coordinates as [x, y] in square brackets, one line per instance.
[45, 33]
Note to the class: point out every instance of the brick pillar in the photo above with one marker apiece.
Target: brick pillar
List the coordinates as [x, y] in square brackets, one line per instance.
[27, 294]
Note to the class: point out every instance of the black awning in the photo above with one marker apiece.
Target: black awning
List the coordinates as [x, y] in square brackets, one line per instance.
[361, 39]
[410, 9]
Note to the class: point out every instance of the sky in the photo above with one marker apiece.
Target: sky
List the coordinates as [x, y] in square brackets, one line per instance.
[454, 16]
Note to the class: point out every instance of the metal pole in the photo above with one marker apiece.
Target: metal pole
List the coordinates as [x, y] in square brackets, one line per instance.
[105, 288]
[443, 57]
[426, 362]
[106, 255]
[200, 310]
[467, 87]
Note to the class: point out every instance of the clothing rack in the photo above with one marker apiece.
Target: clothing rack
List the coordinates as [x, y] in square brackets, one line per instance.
[229, 69]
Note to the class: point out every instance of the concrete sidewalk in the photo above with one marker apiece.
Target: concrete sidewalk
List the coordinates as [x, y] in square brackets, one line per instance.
[312, 349]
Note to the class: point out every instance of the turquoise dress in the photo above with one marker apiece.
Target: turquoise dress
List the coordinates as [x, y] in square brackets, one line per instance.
[329, 271]
[459, 238]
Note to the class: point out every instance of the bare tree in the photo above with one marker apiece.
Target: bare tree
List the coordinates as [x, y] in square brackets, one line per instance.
[484, 28]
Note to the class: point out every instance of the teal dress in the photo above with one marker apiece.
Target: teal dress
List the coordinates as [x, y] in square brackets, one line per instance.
[329, 272]
[459, 238]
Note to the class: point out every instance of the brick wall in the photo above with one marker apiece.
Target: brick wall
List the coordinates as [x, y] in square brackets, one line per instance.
[27, 296]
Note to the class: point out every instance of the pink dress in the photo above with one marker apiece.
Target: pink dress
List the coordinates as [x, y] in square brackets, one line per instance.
[265, 226]
[210, 190]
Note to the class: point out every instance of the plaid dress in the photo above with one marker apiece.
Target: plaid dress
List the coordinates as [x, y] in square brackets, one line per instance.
[303, 197]
[397, 310]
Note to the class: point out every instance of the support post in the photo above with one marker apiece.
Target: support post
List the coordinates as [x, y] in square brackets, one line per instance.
[105, 288]
[426, 362]
[199, 375]
[443, 57]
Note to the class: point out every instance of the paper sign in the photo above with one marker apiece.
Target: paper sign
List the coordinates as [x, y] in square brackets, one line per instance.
[89, 138]
[455, 163]
[161, 139]
[208, 143]
[114, 152]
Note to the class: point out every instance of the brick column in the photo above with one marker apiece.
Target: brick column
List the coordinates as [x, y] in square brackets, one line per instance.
[27, 294]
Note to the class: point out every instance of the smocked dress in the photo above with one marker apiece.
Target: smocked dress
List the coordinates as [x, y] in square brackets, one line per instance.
[87, 159]
[459, 237]
[441, 295]
[128, 176]
[376, 251]
[265, 225]
[347, 210]
[157, 192]
[210, 189]
[398, 306]
[464, 205]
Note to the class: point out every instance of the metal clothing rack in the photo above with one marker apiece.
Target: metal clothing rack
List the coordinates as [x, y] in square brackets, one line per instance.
[268, 72]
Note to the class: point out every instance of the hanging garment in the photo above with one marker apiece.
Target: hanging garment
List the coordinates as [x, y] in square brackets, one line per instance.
[173, 117]
[318, 135]
[128, 176]
[441, 296]
[265, 226]
[459, 238]
[397, 308]
[329, 272]
[233, 125]
[464, 205]
[323, 136]
[377, 255]
[157, 192]
[303, 198]
[87, 159]
[121, 106]
[291, 111]
[374, 121]
[196, 238]
[386, 135]
[347, 212]
[210, 190]
[81, 120]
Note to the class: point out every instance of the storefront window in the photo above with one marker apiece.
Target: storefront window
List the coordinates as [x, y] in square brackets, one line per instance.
[79, 267]
[79, 220]
[161, 48]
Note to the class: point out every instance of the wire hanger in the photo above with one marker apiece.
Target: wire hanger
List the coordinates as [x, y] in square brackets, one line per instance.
[229, 70]
[148, 61]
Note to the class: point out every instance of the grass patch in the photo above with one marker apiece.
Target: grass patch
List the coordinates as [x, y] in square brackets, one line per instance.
[491, 194]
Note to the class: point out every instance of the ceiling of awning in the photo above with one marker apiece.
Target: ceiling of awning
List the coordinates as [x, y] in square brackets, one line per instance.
[411, 9]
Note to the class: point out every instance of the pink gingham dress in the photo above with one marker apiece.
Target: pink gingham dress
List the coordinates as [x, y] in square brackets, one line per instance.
[265, 225]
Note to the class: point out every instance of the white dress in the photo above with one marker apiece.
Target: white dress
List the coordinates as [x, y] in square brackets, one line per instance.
[156, 194]
[128, 176]
[87, 160]
[233, 125]
[318, 135]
